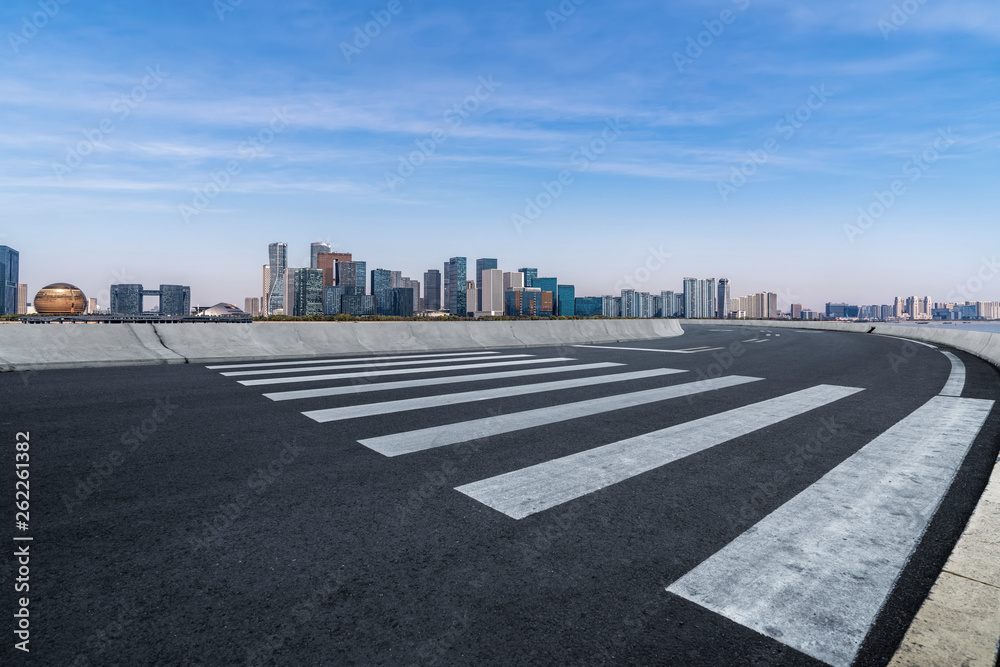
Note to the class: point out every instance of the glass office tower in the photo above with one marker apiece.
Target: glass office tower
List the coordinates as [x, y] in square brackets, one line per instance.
[529, 276]
[277, 256]
[9, 270]
[175, 300]
[432, 290]
[456, 301]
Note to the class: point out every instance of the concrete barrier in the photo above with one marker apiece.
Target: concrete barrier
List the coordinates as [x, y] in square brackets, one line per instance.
[44, 346]
[979, 343]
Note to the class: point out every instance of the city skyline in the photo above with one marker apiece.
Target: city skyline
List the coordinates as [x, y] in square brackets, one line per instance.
[437, 130]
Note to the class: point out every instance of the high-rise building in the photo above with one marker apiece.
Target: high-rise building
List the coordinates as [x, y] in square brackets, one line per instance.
[513, 280]
[327, 261]
[314, 250]
[566, 300]
[352, 274]
[611, 306]
[760, 306]
[490, 292]
[529, 276]
[9, 274]
[485, 264]
[588, 306]
[381, 284]
[414, 285]
[302, 292]
[251, 306]
[723, 299]
[523, 301]
[359, 305]
[91, 305]
[699, 298]
[22, 299]
[277, 255]
[470, 296]
[796, 311]
[673, 304]
[395, 302]
[264, 290]
[175, 300]
[456, 294]
[126, 299]
[842, 311]
[432, 290]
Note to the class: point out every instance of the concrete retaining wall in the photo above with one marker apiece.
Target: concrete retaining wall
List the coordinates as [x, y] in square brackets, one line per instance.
[980, 343]
[42, 346]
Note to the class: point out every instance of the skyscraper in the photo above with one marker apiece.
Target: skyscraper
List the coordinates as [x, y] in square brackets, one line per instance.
[513, 280]
[699, 298]
[529, 276]
[175, 300]
[432, 289]
[470, 297]
[314, 250]
[126, 299]
[251, 306]
[277, 254]
[302, 292]
[482, 265]
[566, 301]
[546, 285]
[9, 272]
[91, 305]
[490, 291]
[22, 299]
[328, 262]
[456, 294]
[723, 299]
[351, 274]
[381, 284]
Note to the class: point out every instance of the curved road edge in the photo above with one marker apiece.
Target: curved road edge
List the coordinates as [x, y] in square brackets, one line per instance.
[959, 622]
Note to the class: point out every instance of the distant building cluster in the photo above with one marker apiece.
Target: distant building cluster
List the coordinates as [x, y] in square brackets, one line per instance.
[337, 283]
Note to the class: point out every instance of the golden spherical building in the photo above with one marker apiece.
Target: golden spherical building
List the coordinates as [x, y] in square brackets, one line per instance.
[60, 299]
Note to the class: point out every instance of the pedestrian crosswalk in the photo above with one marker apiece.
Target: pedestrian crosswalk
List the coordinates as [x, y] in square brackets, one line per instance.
[813, 574]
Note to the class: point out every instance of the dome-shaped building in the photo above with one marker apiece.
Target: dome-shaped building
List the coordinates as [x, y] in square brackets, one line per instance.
[60, 299]
[223, 310]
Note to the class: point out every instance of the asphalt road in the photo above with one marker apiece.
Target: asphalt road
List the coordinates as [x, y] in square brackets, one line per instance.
[786, 498]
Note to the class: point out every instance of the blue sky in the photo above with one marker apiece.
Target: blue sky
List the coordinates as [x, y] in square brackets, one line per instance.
[120, 121]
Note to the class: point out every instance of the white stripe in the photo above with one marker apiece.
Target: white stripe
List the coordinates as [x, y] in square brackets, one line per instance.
[387, 407]
[524, 492]
[815, 573]
[450, 434]
[346, 359]
[956, 381]
[429, 382]
[909, 340]
[648, 349]
[399, 371]
[373, 363]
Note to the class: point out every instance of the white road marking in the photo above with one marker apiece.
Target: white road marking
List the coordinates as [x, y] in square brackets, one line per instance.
[399, 371]
[450, 434]
[909, 340]
[402, 405]
[648, 349]
[956, 381]
[524, 492]
[429, 382]
[815, 573]
[346, 359]
[374, 363]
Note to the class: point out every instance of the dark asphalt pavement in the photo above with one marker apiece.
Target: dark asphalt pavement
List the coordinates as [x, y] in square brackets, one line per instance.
[180, 517]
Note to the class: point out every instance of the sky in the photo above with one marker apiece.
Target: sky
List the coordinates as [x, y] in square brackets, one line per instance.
[824, 151]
